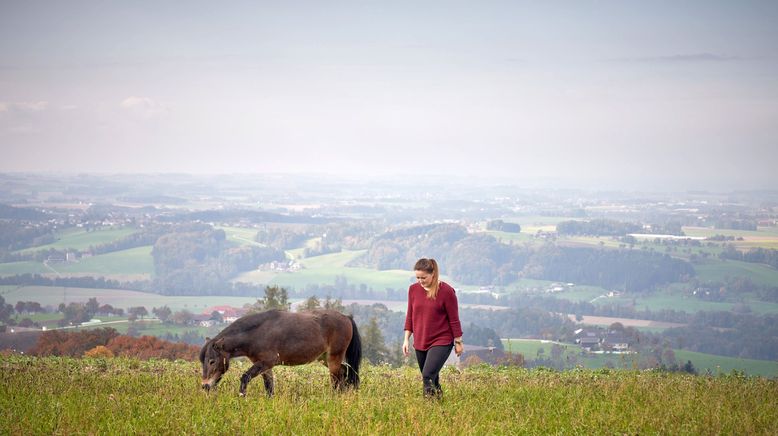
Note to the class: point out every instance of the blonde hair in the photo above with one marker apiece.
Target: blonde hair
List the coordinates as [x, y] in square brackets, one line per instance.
[429, 266]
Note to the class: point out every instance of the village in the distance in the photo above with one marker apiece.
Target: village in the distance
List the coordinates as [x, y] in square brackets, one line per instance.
[561, 278]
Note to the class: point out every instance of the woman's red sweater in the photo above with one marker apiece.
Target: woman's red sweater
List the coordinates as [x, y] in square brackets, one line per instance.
[432, 322]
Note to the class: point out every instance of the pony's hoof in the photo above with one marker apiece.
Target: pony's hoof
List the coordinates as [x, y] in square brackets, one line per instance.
[242, 394]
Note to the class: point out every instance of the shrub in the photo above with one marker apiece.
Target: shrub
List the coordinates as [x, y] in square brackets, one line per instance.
[99, 351]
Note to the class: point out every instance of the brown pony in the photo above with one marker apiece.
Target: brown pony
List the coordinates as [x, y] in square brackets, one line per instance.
[284, 338]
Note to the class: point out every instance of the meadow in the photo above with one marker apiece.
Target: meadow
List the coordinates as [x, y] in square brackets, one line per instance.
[130, 264]
[124, 396]
[763, 237]
[530, 349]
[325, 269]
[80, 239]
[240, 235]
[720, 270]
[672, 296]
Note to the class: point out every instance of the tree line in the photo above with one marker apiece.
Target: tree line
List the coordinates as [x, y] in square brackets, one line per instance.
[766, 256]
[624, 269]
[502, 226]
[196, 259]
[479, 259]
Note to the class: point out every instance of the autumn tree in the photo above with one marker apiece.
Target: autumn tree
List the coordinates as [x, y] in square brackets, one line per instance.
[148, 347]
[163, 313]
[311, 303]
[28, 307]
[74, 344]
[138, 311]
[99, 351]
[74, 313]
[336, 304]
[183, 317]
[511, 359]
[276, 298]
[6, 310]
[106, 309]
[92, 306]
[26, 322]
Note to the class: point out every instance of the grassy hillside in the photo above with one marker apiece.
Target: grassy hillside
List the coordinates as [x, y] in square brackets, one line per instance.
[241, 235]
[718, 270]
[28, 267]
[765, 237]
[131, 264]
[324, 269]
[529, 348]
[124, 262]
[80, 239]
[119, 396]
[718, 364]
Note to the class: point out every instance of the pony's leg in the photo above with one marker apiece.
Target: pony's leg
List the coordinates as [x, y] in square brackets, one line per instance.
[336, 371]
[256, 369]
[267, 377]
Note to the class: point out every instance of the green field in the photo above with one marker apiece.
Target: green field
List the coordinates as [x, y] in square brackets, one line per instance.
[701, 361]
[764, 237]
[156, 328]
[538, 221]
[670, 298]
[80, 239]
[13, 268]
[241, 235]
[325, 268]
[125, 396]
[720, 270]
[664, 300]
[125, 262]
[131, 264]
[515, 238]
[706, 232]
[724, 364]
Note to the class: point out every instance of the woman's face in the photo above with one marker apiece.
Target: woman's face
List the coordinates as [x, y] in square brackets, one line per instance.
[424, 278]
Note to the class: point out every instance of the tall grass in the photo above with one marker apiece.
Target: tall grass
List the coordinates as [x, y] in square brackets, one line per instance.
[120, 396]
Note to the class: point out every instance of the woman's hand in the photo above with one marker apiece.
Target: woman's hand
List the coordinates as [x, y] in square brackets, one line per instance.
[459, 348]
[406, 347]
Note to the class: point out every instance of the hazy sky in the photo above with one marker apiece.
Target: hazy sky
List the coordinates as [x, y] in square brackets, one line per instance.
[679, 94]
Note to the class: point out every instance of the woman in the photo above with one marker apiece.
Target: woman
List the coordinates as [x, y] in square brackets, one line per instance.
[433, 320]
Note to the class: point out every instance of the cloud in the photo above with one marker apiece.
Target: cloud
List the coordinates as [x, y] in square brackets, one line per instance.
[144, 107]
[679, 58]
[21, 117]
[24, 107]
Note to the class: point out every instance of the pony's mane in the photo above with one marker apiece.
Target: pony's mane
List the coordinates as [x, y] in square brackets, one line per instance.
[249, 322]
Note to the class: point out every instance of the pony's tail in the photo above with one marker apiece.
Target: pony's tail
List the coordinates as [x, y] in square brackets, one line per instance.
[353, 357]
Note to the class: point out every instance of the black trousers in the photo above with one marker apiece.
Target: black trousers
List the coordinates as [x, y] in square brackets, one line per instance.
[430, 363]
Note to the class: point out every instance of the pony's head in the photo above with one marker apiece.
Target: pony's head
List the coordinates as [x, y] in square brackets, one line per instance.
[215, 362]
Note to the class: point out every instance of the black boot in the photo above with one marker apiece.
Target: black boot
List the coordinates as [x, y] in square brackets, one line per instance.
[431, 391]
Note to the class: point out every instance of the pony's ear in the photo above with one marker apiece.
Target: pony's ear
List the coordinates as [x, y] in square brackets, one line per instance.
[207, 339]
[218, 344]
